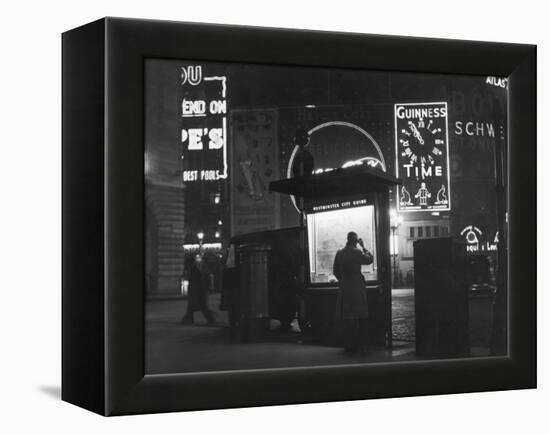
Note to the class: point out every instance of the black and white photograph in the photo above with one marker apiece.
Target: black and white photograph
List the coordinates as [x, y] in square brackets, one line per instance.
[300, 217]
[274, 217]
[335, 217]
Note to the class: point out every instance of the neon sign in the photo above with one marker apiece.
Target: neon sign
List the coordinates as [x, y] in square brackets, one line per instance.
[203, 125]
[478, 129]
[203, 246]
[474, 244]
[497, 81]
[375, 162]
[422, 156]
[367, 161]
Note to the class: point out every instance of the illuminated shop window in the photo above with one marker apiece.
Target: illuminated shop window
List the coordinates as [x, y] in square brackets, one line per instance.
[327, 232]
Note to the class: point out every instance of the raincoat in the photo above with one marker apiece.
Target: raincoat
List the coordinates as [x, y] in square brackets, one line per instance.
[352, 297]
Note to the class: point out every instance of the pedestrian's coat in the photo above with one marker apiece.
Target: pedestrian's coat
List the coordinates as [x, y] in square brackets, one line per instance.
[352, 297]
[198, 288]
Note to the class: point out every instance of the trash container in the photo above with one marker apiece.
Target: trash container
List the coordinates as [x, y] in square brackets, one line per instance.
[254, 291]
[441, 298]
[481, 288]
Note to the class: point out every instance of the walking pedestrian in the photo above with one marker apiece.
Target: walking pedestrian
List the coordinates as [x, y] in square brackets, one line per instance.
[199, 282]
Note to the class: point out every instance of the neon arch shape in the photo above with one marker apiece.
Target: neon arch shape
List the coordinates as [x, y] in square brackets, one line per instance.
[329, 124]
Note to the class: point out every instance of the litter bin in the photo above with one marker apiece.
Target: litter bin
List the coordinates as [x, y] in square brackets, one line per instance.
[481, 288]
[254, 291]
[441, 298]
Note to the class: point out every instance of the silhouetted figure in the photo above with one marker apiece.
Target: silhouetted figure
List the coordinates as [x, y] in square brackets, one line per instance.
[199, 282]
[303, 160]
[352, 306]
[230, 294]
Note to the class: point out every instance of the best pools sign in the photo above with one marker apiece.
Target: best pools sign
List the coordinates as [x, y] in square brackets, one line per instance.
[422, 156]
[203, 125]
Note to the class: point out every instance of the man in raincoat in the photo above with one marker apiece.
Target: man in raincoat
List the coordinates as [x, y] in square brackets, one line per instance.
[352, 306]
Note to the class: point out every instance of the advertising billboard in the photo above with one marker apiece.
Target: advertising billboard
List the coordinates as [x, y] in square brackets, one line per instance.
[203, 125]
[422, 156]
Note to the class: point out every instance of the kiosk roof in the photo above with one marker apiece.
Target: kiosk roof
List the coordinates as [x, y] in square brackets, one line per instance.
[348, 181]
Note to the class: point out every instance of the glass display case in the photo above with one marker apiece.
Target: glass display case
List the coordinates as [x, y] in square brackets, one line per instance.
[327, 232]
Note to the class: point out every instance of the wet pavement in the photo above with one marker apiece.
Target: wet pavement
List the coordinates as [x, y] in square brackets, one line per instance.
[172, 347]
[402, 305]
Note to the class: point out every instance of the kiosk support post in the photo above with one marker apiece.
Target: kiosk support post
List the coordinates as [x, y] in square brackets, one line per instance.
[384, 226]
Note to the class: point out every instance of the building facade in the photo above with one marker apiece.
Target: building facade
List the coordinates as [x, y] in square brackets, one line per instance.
[218, 134]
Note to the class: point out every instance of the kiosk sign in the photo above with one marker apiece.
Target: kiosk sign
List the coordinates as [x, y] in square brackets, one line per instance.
[422, 156]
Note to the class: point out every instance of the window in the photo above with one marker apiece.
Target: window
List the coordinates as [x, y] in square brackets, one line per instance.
[409, 249]
[327, 233]
[420, 231]
[411, 232]
[436, 231]
[429, 231]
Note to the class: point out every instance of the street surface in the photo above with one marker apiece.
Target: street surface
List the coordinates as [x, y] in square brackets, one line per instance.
[402, 305]
[172, 347]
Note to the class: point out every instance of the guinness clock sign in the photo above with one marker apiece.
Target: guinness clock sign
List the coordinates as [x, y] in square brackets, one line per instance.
[422, 156]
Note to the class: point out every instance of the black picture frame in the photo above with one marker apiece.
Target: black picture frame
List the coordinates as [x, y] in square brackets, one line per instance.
[103, 216]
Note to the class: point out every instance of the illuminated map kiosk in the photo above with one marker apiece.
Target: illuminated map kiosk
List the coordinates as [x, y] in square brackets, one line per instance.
[332, 204]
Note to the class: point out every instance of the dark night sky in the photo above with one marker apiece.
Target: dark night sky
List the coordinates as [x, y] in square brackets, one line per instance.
[365, 98]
